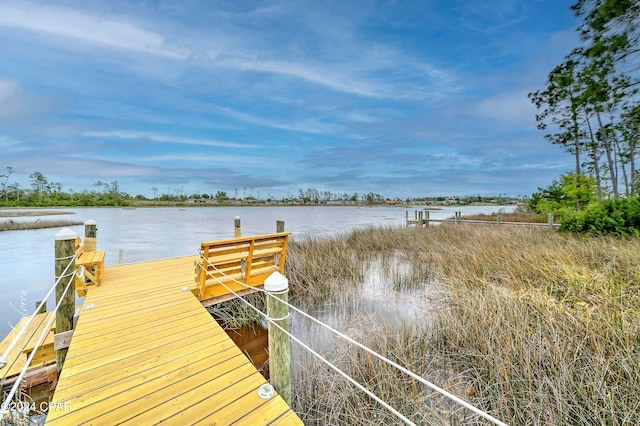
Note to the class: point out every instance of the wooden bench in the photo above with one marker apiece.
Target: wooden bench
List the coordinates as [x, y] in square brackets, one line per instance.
[89, 267]
[246, 260]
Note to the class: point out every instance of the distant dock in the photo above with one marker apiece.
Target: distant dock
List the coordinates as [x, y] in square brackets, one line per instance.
[421, 218]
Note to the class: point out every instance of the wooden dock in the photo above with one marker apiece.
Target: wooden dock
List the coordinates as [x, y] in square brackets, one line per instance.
[421, 218]
[145, 351]
[42, 368]
[426, 222]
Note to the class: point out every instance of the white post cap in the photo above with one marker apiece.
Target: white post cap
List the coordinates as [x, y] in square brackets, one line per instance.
[65, 234]
[276, 282]
[237, 217]
[90, 222]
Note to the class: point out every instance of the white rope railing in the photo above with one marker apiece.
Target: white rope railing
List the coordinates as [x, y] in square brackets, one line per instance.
[4, 409]
[317, 355]
[422, 380]
[3, 358]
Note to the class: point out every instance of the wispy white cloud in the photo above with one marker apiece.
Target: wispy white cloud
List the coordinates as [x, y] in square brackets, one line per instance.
[308, 72]
[16, 103]
[491, 17]
[381, 76]
[108, 31]
[8, 88]
[510, 108]
[155, 137]
[8, 144]
[353, 76]
[360, 117]
[306, 126]
[372, 89]
[208, 160]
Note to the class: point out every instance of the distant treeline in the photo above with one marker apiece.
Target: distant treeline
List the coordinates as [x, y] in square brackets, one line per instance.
[46, 193]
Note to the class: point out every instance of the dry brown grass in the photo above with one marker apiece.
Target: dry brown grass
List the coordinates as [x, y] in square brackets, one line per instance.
[533, 326]
[26, 213]
[11, 225]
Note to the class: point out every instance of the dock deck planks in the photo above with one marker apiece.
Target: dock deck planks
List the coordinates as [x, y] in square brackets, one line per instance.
[146, 351]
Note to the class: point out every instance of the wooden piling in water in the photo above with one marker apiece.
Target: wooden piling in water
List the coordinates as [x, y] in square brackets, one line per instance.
[277, 287]
[237, 231]
[279, 225]
[65, 251]
[90, 235]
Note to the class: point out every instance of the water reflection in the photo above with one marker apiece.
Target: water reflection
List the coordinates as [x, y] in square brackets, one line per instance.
[389, 295]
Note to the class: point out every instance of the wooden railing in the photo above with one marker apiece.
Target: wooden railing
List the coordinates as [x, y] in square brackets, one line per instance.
[247, 260]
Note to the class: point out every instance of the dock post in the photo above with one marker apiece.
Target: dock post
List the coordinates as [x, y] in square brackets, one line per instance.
[456, 217]
[550, 220]
[499, 217]
[65, 251]
[279, 225]
[277, 287]
[426, 222]
[237, 231]
[406, 218]
[90, 235]
[43, 308]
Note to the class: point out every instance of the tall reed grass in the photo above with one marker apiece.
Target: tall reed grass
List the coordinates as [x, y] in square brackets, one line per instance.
[235, 313]
[533, 326]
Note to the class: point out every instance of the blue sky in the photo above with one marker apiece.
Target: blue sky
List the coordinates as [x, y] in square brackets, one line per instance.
[400, 98]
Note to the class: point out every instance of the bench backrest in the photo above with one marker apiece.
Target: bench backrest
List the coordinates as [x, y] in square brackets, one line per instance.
[249, 260]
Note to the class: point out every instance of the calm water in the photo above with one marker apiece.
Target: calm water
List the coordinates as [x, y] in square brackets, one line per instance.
[27, 265]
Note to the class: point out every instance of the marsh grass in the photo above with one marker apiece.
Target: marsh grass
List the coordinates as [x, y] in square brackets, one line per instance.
[234, 313]
[11, 225]
[25, 213]
[322, 269]
[532, 326]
